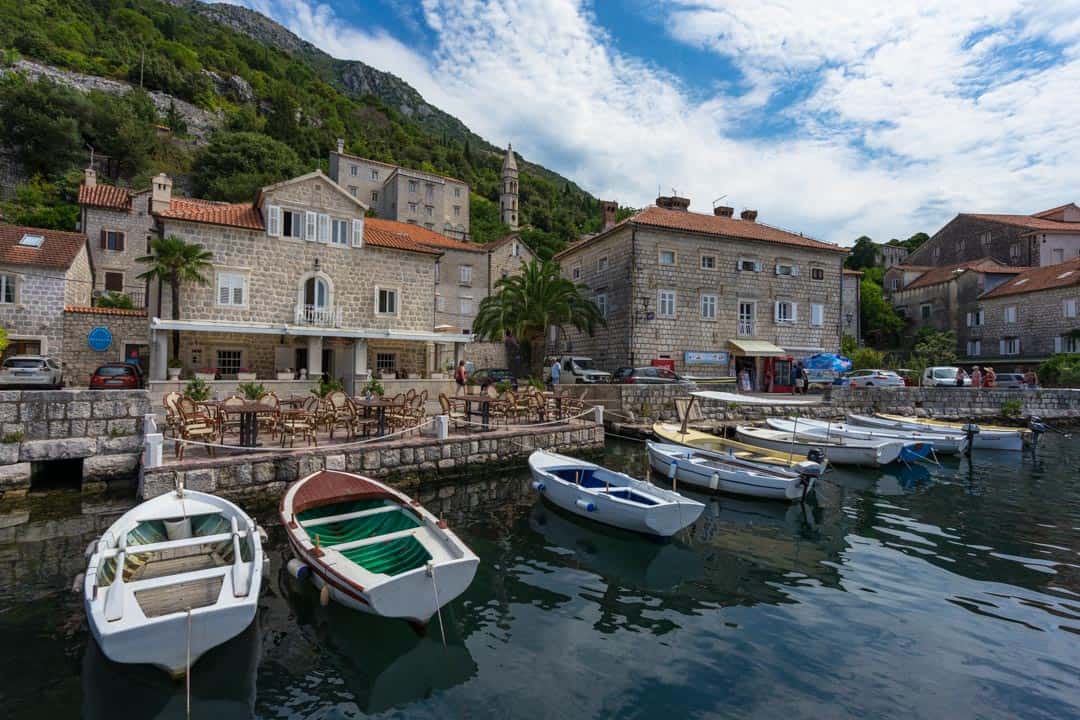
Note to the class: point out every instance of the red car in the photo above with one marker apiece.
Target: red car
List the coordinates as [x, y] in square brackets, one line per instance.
[117, 376]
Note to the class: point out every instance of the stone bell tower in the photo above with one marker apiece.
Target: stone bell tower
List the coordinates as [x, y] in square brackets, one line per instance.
[508, 199]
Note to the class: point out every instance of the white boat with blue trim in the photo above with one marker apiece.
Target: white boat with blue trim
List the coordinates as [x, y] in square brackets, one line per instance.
[837, 447]
[729, 474]
[985, 437]
[610, 497]
[943, 443]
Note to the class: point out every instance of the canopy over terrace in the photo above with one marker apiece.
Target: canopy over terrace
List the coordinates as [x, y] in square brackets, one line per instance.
[358, 339]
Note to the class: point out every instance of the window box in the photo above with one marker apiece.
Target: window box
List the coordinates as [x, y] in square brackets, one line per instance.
[286, 375]
[245, 376]
[206, 375]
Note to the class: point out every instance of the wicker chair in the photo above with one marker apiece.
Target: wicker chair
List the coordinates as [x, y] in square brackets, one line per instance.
[338, 412]
[172, 415]
[228, 417]
[269, 421]
[457, 417]
[515, 407]
[193, 425]
[299, 424]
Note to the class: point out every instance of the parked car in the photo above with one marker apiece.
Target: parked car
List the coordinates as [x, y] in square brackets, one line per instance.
[576, 369]
[1010, 380]
[31, 370]
[942, 376]
[874, 378]
[117, 376]
[910, 377]
[492, 376]
[650, 376]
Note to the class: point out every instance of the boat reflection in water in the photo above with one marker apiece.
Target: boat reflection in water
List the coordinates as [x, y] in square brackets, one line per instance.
[382, 663]
[904, 480]
[618, 555]
[222, 684]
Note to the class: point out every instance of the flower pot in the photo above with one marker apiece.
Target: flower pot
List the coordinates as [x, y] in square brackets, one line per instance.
[286, 376]
[174, 373]
[205, 376]
[245, 377]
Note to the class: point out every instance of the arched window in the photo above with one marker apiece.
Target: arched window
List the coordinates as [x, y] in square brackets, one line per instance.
[316, 293]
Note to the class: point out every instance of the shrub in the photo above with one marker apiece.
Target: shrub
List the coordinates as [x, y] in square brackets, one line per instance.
[175, 363]
[374, 387]
[867, 358]
[113, 299]
[503, 386]
[1011, 408]
[325, 387]
[1061, 370]
[251, 390]
[12, 437]
[197, 389]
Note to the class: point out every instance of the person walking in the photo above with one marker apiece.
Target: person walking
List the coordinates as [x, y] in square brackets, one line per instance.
[976, 377]
[989, 377]
[1031, 379]
[556, 370]
[459, 378]
[960, 375]
[744, 380]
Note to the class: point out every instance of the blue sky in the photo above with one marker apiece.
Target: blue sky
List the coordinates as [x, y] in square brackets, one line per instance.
[831, 118]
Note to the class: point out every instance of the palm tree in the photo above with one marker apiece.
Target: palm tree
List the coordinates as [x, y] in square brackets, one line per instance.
[175, 261]
[530, 303]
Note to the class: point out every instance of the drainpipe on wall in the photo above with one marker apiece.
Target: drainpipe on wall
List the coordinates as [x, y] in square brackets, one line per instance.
[633, 295]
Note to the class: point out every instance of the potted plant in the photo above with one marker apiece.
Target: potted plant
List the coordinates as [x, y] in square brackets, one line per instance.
[206, 374]
[197, 390]
[245, 375]
[373, 388]
[251, 391]
[503, 386]
[175, 366]
[286, 374]
[324, 387]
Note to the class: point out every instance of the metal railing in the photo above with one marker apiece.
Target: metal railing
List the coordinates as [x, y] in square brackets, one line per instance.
[317, 316]
[746, 328]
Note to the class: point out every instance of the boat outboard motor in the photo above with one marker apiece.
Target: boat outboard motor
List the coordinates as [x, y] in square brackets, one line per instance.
[816, 455]
[1037, 427]
[810, 469]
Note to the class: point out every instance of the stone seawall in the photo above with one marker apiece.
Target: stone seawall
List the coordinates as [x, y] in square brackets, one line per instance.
[398, 461]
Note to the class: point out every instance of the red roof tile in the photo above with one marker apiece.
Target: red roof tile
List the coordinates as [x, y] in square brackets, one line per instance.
[241, 215]
[57, 250]
[433, 239]
[397, 235]
[105, 196]
[1055, 210]
[83, 310]
[848, 271]
[942, 274]
[1040, 278]
[1030, 222]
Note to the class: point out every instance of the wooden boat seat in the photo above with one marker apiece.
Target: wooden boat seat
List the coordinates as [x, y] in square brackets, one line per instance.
[347, 516]
[366, 527]
[178, 598]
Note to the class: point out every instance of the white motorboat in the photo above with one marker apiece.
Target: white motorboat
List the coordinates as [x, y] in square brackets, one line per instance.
[610, 497]
[910, 450]
[839, 451]
[986, 437]
[729, 474]
[373, 548]
[944, 443]
[172, 578]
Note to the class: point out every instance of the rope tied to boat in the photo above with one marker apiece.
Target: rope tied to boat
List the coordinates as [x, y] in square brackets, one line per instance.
[438, 607]
[187, 667]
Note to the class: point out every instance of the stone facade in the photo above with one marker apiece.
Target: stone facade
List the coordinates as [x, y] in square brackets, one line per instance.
[104, 429]
[889, 255]
[849, 304]
[130, 334]
[118, 269]
[462, 285]
[41, 293]
[436, 202]
[506, 257]
[1026, 327]
[971, 237]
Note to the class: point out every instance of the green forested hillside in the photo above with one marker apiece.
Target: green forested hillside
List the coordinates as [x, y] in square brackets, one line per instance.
[282, 119]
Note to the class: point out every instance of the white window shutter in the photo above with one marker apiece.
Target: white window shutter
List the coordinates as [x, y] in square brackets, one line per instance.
[1018, 350]
[757, 266]
[794, 312]
[1001, 347]
[358, 232]
[776, 269]
[311, 226]
[776, 311]
[969, 319]
[239, 290]
[273, 220]
[795, 270]
[1057, 344]
[324, 228]
[738, 265]
[223, 291]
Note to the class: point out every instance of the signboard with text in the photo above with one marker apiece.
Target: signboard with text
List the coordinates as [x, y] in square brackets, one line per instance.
[720, 357]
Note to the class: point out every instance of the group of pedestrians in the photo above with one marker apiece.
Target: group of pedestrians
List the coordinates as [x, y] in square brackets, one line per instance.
[985, 377]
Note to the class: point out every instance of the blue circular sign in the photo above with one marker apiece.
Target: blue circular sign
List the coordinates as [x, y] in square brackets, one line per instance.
[100, 339]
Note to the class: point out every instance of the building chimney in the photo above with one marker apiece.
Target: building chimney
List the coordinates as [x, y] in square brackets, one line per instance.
[748, 215]
[160, 193]
[673, 202]
[608, 209]
[340, 146]
[723, 211]
[89, 177]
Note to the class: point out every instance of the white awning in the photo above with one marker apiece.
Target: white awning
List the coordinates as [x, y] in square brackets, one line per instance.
[307, 331]
[756, 348]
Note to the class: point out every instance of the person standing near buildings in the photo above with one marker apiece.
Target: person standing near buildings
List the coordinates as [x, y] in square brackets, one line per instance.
[960, 375]
[555, 371]
[744, 380]
[989, 377]
[1031, 379]
[976, 377]
[459, 378]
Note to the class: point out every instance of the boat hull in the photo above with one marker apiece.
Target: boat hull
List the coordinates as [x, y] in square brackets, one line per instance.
[670, 433]
[943, 444]
[837, 454]
[993, 438]
[730, 480]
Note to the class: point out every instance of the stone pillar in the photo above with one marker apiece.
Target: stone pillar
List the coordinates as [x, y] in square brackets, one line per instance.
[314, 357]
[159, 354]
[459, 352]
[431, 366]
[360, 366]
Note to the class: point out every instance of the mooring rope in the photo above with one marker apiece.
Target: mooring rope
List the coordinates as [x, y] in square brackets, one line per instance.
[266, 448]
[559, 421]
[187, 667]
[438, 607]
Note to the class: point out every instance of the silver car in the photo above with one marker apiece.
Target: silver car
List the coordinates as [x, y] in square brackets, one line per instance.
[31, 370]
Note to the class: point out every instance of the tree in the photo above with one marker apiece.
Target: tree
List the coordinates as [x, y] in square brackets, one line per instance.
[235, 165]
[935, 347]
[865, 358]
[878, 319]
[864, 254]
[912, 243]
[176, 261]
[1061, 370]
[529, 304]
[3, 340]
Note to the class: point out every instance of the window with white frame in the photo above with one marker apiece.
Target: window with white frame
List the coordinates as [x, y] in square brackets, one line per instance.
[1067, 344]
[457, 192]
[1010, 314]
[429, 210]
[708, 262]
[960, 244]
[708, 307]
[465, 305]
[340, 231]
[465, 274]
[457, 211]
[666, 303]
[975, 318]
[925, 311]
[1069, 308]
[414, 186]
[667, 257]
[229, 362]
[817, 314]
[747, 265]
[354, 170]
[1010, 346]
[324, 226]
[985, 238]
[374, 196]
[575, 272]
[311, 226]
[1014, 251]
[7, 289]
[817, 273]
[440, 303]
[894, 283]
[385, 301]
[787, 269]
[292, 224]
[374, 174]
[747, 310]
[602, 264]
[936, 253]
[974, 348]
[786, 311]
[385, 362]
[429, 192]
[354, 191]
[601, 304]
[232, 289]
[515, 249]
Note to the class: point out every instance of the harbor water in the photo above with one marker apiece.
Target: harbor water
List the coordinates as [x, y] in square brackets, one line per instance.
[924, 592]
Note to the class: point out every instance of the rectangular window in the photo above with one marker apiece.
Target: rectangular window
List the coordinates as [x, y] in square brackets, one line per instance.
[745, 265]
[601, 304]
[457, 192]
[975, 319]
[457, 211]
[575, 272]
[1069, 308]
[1014, 251]
[985, 238]
[232, 289]
[602, 264]
[817, 273]
[292, 224]
[358, 232]
[112, 240]
[786, 311]
[925, 311]
[354, 191]
[787, 270]
[708, 307]
[311, 226]
[340, 231]
[667, 257]
[936, 253]
[412, 208]
[1058, 254]
[429, 211]
[894, 283]
[114, 282]
[746, 319]
[386, 302]
[429, 226]
[229, 362]
[1010, 314]
[515, 250]
[324, 228]
[465, 274]
[354, 170]
[817, 314]
[465, 306]
[385, 362]
[666, 303]
[1010, 346]
[440, 303]
[708, 262]
[413, 186]
[7, 289]
[429, 192]
[974, 348]
[1066, 344]
[374, 174]
[273, 220]
[374, 196]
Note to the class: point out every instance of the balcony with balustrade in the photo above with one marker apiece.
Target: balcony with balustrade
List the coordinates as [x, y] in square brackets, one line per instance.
[319, 316]
[746, 328]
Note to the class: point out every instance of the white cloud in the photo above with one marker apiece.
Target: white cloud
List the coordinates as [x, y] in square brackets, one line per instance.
[908, 121]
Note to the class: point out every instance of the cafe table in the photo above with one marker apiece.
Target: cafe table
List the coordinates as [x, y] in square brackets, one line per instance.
[379, 405]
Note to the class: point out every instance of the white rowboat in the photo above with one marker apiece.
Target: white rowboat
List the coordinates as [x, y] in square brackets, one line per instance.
[190, 569]
[372, 548]
[910, 450]
[838, 452]
[609, 497]
[986, 437]
[729, 474]
[944, 443]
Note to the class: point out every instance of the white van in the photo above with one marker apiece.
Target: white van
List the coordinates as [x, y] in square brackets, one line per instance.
[943, 376]
[576, 370]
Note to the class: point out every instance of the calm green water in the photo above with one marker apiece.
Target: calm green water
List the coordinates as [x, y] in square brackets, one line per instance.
[953, 592]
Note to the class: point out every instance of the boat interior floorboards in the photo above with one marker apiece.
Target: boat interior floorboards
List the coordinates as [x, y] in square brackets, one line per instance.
[178, 598]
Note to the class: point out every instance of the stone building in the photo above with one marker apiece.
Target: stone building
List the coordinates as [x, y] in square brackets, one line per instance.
[505, 257]
[849, 303]
[508, 194]
[435, 202]
[710, 293]
[1027, 318]
[1044, 238]
[41, 272]
[129, 330]
[889, 255]
[119, 223]
[301, 281]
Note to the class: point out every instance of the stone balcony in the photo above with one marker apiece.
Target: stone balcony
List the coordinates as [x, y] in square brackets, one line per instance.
[318, 316]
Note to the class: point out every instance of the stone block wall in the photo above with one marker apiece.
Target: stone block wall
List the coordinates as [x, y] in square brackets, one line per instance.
[38, 311]
[137, 226]
[1040, 319]
[126, 326]
[102, 428]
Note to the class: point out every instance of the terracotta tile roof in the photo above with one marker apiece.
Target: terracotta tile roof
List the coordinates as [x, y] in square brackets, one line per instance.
[848, 271]
[433, 239]
[81, 309]
[942, 274]
[397, 235]
[712, 225]
[57, 250]
[1030, 222]
[1055, 210]
[495, 244]
[912, 267]
[105, 196]
[1040, 278]
[241, 215]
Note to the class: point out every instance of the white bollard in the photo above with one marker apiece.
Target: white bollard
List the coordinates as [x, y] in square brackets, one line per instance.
[149, 423]
[442, 426]
[153, 449]
[598, 414]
